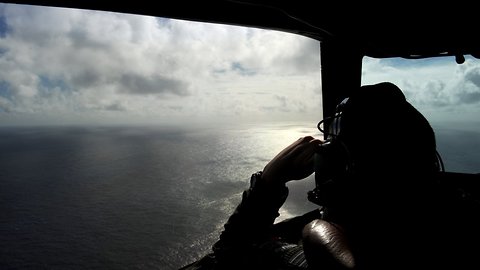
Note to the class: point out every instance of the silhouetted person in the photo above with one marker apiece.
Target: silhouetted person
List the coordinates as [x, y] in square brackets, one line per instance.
[382, 206]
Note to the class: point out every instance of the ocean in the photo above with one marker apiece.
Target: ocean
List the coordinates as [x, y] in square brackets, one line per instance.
[128, 197]
[142, 197]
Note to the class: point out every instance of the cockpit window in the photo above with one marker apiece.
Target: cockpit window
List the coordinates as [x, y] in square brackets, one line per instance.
[126, 140]
[447, 93]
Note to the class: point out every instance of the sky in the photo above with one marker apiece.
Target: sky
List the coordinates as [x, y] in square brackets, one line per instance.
[77, 66]
[64, 66]
[441, 89]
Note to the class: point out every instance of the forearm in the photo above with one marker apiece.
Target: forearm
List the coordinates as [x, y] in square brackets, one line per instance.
[252, 221]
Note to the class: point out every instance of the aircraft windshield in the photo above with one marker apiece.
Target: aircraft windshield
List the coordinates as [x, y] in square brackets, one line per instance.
[447, 93]
[126, 140]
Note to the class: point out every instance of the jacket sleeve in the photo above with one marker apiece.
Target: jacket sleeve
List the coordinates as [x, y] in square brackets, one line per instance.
[252, 221]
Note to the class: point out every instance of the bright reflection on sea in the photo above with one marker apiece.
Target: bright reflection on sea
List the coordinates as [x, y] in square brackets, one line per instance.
[266, 141]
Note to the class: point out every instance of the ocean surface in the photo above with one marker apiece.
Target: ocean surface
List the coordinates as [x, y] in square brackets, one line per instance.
[127, 197]
[143, 197]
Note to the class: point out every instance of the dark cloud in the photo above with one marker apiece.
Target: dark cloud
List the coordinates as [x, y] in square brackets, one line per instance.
[5, 105]
[282, 100]
[115, 107]
[308, 56]
[472, 95]
[303, 59]
[176, 108]
[152, 85]
[4, 29]
[81, 38]
[473, 76]
[437, 94]
[86, 78]
[469, 97]
[278, 104]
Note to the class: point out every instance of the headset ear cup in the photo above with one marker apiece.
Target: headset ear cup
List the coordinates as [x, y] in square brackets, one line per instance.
[331, 161]
[345, 158]
[321, 166]
[333, 164]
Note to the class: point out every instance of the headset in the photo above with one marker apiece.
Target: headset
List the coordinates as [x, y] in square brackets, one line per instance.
[333, 159]
[333, 156]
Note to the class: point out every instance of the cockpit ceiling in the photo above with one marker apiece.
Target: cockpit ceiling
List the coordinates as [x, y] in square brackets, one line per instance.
[390, 29]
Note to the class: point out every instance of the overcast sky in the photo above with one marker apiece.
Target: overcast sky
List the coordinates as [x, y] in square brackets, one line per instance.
[65, 66]
[440, 88]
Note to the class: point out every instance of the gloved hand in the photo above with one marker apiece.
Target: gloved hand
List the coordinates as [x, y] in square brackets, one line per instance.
[293, 163]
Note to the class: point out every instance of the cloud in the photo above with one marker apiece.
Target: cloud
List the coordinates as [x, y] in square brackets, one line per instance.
[303, 56]
[238, 67]
[473, 76]
[5, 105]
[157, 84]
[115, 107]
[431, 83]
[438, 87]
[3, 27]
[470, 97]
[80, 62]
[469, 92]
